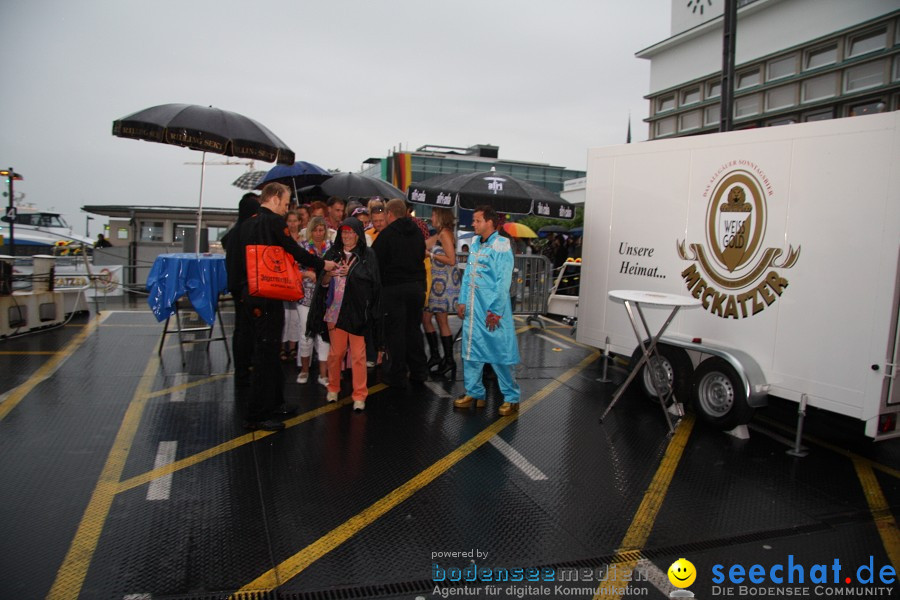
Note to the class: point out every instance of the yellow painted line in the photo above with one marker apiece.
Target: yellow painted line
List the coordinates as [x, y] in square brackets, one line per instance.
[194, 459]
[70, 577]
[340, 534]
[17, 394]
[842, 451]
[642, 524]
[880, 509]
[568, 339]
[187, 386]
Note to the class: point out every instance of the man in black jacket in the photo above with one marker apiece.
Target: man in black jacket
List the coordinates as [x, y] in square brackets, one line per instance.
[401, 254]
[241, 339]
[266, 405]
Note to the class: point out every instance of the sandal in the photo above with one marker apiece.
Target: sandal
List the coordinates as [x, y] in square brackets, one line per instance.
[294, 355]
[284, 356]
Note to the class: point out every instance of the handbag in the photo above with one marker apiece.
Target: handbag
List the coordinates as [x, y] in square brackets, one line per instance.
[272, 273]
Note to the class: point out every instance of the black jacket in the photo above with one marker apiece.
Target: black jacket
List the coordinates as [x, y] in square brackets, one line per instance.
[401, 253]
[361, 307]
[270, 229]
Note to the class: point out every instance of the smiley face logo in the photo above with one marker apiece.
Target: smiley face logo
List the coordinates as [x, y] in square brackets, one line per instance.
[682, 573]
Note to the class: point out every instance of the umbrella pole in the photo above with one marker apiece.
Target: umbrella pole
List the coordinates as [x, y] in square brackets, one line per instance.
[200, 207]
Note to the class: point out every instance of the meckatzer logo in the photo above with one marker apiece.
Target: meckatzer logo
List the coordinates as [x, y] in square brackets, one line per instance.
[495, 184]
[735, 229]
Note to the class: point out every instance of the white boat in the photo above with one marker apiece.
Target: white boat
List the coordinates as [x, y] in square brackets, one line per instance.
[39, 232]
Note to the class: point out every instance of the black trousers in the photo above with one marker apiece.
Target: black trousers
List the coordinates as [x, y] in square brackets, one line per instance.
[403, 304]
[241, 340]
[266, 318]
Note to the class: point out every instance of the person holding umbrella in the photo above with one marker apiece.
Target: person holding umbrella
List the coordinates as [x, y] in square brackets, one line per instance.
[266, 316]
[488, 333]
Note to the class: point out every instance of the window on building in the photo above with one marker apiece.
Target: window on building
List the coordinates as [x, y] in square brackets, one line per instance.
[713, 115]
[122, 233]
[817, 88]
[665, 127]
[217, 232]
[867, 108]
[782, 121]
[781, 97]
[665, 103]
[781, 67]
[151, 231]
[747, 79]
[896, 75]
[180, 230]
[690, 120]
[867, 42]
[821, 115]
[690, 96]
[861, 77]
[746, 106]
[714, 89]
[819, 57]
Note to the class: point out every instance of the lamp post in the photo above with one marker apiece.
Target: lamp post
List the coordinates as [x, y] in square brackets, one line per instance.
[10, 216]
[87, 225]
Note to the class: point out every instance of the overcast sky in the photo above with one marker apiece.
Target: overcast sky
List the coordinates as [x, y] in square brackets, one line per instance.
[338, 80]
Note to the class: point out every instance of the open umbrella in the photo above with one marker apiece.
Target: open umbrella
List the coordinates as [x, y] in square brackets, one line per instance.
[548, 229]
[249, 180]
[504, 193]
[519, 230]
[354, 185]
[295, 176]
[206, 129]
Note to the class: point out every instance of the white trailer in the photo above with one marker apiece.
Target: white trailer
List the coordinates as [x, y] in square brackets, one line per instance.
[789, 236]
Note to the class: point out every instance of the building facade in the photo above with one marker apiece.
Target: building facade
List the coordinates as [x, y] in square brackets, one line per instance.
[795, 61]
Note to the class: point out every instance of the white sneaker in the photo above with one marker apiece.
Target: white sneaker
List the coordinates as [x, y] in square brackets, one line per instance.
[331, 397]
[302, 377]
[370, 364]
[323, 380]
[359, 405]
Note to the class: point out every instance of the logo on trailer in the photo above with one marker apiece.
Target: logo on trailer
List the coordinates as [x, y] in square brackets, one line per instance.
[735, 278]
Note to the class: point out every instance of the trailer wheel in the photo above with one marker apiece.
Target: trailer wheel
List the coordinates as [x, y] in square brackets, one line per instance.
[674, 369]
[718, 395]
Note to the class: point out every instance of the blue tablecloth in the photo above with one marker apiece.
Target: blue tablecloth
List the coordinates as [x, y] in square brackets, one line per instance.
[202, 278]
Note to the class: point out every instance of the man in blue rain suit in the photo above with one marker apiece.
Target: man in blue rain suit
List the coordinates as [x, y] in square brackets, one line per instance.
[489, 333]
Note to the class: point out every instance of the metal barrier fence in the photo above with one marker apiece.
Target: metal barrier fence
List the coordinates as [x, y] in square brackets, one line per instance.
[529, 290]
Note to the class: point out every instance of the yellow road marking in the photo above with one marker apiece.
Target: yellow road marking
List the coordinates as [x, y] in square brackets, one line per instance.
[71, 574]
[237, 442]
[17, 394]
[187, 386]
[880, 509]
[629, 551]
[340, 534]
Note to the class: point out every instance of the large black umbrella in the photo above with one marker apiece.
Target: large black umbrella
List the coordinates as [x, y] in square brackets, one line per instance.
[354, 185]
[504, 193]
[206, 129]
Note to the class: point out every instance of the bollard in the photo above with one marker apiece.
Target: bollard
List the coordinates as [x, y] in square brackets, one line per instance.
[42, 277]
[798, 450]
[605, 378]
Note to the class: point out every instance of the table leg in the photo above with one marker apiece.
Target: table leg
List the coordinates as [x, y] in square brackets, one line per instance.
[647, 352]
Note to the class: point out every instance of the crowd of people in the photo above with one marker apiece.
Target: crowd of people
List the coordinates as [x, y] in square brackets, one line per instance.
[377, 286]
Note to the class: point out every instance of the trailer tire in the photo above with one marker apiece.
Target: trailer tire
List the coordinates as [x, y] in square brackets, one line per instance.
[677, 366]
[718, 396]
